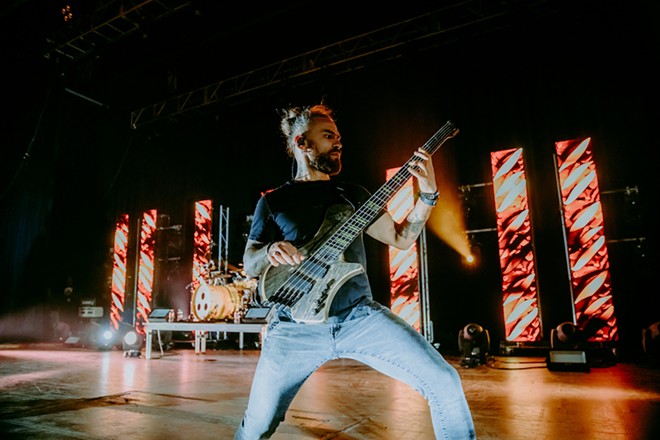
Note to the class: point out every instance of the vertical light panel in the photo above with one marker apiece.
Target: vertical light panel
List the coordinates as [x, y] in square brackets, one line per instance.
[404, 266]
[517, 262]
[145, 268]
[118, 287]
[585, 240]
[202, 241]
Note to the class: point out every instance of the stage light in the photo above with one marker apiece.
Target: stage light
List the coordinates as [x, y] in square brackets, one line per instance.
[106, 339]
[107, 335]
[100, 336]
[472, 258]
[132, 343]
[567, 349]
[566, 335]
[474, 344]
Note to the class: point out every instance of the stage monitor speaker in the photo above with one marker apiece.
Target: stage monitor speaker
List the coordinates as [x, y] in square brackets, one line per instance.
[72, 340]
[161, 314]
[567, 360]
[257, 314]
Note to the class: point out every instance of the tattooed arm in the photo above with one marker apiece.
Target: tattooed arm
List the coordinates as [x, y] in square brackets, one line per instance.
[403, 235]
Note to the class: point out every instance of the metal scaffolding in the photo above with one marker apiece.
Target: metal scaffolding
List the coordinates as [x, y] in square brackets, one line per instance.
[115, 20]
[223, 239]
[109, 23]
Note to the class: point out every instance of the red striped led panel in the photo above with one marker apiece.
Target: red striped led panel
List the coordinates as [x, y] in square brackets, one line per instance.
[517, 261]
[118, 288]
[145, 268]
[585, 240]
[202, 241]
[404, 266]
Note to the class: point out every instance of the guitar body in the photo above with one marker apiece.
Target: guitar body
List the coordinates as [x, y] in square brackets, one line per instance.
[314, 306]
[320, 287]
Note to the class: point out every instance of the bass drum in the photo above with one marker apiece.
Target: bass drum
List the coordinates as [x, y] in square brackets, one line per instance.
[210, 303]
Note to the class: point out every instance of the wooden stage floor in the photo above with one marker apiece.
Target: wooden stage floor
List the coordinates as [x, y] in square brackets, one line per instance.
[49, 391]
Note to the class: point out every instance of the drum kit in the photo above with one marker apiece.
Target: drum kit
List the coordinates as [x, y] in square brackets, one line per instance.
[223, 296]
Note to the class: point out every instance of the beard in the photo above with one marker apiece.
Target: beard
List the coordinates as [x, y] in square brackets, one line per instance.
[325, 163]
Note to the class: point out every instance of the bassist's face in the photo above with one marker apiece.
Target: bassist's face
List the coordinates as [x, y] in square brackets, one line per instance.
[324, 146]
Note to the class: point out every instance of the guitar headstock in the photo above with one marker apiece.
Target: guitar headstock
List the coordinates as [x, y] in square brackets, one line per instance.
[454, 130]
[448, 130]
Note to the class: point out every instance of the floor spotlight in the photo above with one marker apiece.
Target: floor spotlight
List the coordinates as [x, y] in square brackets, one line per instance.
[100, 336]
[132, 343]
[107, 336]
[474, 344]
[566, 335]
[567, 349]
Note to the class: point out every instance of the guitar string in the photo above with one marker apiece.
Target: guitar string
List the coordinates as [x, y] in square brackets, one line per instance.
[290, 295]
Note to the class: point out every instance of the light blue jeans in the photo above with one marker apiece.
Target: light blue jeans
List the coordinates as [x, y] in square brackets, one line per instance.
[371, 334]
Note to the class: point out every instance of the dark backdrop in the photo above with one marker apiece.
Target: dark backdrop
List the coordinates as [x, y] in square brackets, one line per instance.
[73, 165]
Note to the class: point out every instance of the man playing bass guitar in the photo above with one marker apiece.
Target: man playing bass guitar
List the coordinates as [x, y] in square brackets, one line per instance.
[306, 247]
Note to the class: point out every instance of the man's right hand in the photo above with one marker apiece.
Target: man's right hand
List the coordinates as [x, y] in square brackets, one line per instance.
[283, 252]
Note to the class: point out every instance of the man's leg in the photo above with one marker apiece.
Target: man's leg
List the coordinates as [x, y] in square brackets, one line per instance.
[388, 344]
[290, 354]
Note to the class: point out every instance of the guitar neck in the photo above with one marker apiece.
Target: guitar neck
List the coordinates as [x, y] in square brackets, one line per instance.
[337, 243]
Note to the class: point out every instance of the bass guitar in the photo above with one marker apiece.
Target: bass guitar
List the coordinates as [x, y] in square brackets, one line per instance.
[309, 287]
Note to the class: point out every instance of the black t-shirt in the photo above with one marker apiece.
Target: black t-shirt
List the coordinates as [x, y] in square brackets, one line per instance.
[295, 212]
